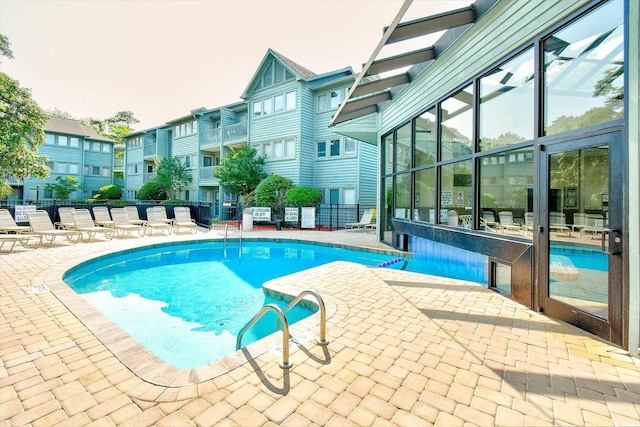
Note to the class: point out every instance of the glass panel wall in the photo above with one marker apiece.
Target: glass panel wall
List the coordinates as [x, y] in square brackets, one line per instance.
[385, 223]
[425, 138]
[425, 195]
[388, 155]
[506, 191]
[507, 103]
[455, 192]
[584, 71]
[402, 204]
[403, 148]
[456, 119]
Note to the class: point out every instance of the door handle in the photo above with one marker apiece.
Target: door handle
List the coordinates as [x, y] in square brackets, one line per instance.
[615, 242]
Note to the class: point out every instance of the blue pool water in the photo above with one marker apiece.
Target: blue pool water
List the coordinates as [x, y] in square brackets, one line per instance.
[186, 302]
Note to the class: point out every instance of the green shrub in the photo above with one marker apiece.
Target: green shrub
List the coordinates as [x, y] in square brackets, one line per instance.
[109, 192]
[175, 202]
[272, 192]
[303, 197]
[151, 190]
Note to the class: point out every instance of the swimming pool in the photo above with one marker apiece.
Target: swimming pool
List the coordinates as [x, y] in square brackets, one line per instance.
[187, 301]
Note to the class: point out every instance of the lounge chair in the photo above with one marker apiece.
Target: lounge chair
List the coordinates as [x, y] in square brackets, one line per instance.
[595, 225]
[182, 219]
[101, 216]
[8, 224]
[84, 224]
[363, 224]
[42, 226]
[506, 222]
[11, 239]
[579, 221]
[452, 218]
[156, 220]
[122, 224]
[528, 223]
[134, 217]
[66, 218]
[558, 224]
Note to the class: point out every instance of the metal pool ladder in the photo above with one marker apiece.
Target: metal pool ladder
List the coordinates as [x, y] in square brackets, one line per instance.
[282, 318]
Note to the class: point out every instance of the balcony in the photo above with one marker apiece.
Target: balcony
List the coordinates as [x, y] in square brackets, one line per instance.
[148, 177]
[118, 162]
[234, 132]
[210, 138]
[150, 150]
[207, 175]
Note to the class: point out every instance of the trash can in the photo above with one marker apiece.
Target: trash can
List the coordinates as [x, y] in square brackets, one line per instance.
[247, 220]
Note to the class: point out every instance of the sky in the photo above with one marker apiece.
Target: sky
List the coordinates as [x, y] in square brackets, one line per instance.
[162, 59]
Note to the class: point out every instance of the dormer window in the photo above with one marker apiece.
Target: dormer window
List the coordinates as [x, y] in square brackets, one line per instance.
[275, 73]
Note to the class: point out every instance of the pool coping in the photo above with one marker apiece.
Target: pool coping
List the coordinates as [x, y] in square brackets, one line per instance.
[149, 367]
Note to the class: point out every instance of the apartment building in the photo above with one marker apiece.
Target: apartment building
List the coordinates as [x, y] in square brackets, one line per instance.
[73, 149]
[284, 114]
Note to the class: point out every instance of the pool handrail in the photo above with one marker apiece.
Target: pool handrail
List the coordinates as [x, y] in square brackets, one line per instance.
[322, 340]
[284, 363]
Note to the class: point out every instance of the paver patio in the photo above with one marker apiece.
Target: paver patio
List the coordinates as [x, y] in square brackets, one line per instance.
[405, 349]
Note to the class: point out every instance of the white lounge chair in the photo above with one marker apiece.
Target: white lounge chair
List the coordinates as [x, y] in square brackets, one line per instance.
[156, 220]
[363, 224]
[8, 224]
[66, 218]
[182, 219]
[134, 217]
[122, 224]
[84, 224]
[41, 225]
[101, 216]
[506, 222]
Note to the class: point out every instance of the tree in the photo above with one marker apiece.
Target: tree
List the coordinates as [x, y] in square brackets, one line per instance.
[64, 186]
[116, 128]
[241, 171]
[59, 113]
[172, 176]
[272, 192]
[21, 131]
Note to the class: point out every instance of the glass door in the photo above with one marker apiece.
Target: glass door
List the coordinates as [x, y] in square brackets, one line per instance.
[580, 231]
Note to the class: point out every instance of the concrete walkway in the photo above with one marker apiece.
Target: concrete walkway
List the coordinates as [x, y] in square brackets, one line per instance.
[405, 349]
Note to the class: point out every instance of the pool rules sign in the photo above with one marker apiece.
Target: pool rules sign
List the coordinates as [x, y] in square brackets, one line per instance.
[308, 218]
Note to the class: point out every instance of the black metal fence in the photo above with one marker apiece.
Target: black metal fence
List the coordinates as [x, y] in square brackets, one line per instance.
[327, 218]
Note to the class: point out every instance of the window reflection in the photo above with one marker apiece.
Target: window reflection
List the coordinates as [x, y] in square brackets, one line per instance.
[402, 203]
[457, 125]
[425, 138]
[506, 103]
[388, 155]
[455, 193]
[584, 78]
[425, 195]
[506, 185]
[403, 148]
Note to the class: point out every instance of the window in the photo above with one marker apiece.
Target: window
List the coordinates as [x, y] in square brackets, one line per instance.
[106, 148]
[322, 149]
[95, 170]
[323, 102]
[74, 142]
[457, 125]
[335, 98]
[330, 100]
[290, 101]
[62, 140]
[275, 73]
[50, 139]
[257, 108]
[584, 71]
[207, 161]
[425, 138]
[278, 102]
[334, 196]
[507, 88]
[280, 149]
[73, 168]
[267, 106]
[349, 147]
[334, 147]
[186, 129]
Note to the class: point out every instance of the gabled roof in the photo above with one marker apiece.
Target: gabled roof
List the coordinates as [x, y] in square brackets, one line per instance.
[73, 127]
[371, 90]
[298, 70]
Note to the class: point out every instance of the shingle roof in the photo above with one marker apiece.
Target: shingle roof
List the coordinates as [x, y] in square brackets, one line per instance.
[304, 73]
[73, 127]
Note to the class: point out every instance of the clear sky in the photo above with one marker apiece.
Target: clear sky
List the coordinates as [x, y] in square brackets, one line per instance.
[162, 59]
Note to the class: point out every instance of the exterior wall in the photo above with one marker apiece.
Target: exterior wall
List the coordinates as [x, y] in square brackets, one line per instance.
[56, 154]
[484, 43]
[100, 159]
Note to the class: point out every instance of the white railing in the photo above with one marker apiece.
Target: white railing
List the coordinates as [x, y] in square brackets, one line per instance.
[211, 136]
[150, 150]
[238, 130]
[148, 176]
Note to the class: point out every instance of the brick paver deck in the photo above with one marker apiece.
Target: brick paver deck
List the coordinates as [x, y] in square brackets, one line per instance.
[405, 349]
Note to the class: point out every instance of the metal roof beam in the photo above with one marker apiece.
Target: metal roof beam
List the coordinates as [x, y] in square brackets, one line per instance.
[346, 116]
[402, 60]
[367, 101]
[432, 24]
[382, 84]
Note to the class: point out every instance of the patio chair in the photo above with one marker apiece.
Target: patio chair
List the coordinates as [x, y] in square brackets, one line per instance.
[506, 222]
[42, 226]
[558, 223]
[122, 224]
[363, 224]
[134, 217]
[156, 220]
[8, 224]
[11, 239]
[66, 218]
[579, 221]
[528, 223]
[595, 226]
[182, 219]
[84, 224]
[101, 216]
